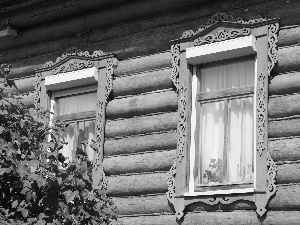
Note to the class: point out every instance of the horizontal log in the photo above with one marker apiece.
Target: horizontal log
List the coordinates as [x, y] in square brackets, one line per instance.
[147, 162]
[288, 60]
[145, 63]
[285, 149]
[141, 125]
[27, 99]
[284, 106]
[140, 184]
[288, 173]
[136, 144]
[216, 218]
[285, 84]
[171, 23]
[288, 36]
[142, 104]
[286, 198]
[144, 82]
[284, 128]
[20, 85]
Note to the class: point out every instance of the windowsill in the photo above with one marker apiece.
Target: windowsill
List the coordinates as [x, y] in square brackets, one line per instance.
[221, 192]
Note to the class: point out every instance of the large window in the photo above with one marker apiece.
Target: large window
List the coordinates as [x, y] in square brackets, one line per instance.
[78, 111]
[224, 123]
[221, 74]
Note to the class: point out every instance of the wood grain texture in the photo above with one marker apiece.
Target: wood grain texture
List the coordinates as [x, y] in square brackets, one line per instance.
[285, 149]
[141, 125]
[284, 128]
[137, 144]
[284, 106]
[286, 198]
[142, 104]
[288, 173]
[288, 60]
[289, 36]
[285, 84]
[144, 82]
[147, 162]
[217, 218]
[140, 184]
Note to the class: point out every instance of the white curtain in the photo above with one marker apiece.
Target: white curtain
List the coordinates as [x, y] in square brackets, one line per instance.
[85, 129]
[76, 103]
[216, 76]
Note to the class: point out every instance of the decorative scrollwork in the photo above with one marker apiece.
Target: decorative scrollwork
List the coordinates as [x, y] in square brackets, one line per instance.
[221, 17]
[182, 123]
[171, 184]
[272, 170]
[38, 90]
[175, 65]
[111, 64]
[261, 114]
[222, 35]
[72, 66]
[74, 51]
[272, 51]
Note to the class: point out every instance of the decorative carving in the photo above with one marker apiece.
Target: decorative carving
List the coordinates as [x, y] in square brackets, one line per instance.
[38, 90]
[175, 65]
[272, 51]
[261, 114]
[171, 184]
[72, 66]
[221, 17]
[74, 51]
[222, 35]
[182, 123]
[272, 170]
[111, 64]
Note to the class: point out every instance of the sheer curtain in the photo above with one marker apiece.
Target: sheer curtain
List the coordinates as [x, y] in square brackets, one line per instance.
[226, 157]
[85, 129]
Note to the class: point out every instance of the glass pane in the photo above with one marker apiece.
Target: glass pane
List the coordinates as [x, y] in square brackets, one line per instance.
[240, 150]
[225, 74]
[89, 134]
[77, 103]
[211, 142]
[69, 137]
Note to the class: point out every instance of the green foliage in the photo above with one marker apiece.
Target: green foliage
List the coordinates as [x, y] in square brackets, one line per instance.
[36, 185]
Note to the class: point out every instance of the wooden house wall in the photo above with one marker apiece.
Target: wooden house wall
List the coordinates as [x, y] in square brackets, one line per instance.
[142, 113]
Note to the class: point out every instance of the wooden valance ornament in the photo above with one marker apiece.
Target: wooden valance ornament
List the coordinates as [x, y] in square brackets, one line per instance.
[220, 28]
[76, 68]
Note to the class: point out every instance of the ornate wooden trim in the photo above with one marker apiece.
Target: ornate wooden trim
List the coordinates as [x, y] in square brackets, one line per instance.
[74, 51]
[221, 17]
[272, 51]
[222, 35]
[171, 184]
[38, 90]
[72, 66]
[175, 65]
[266, 32]
[182, 123]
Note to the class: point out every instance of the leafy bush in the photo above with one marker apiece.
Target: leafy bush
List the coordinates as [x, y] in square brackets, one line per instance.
[36, 185]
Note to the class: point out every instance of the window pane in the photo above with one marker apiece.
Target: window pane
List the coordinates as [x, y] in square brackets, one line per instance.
[240, 151]
[69, 137]
[77, 103]
[211, 142]
[231, 73]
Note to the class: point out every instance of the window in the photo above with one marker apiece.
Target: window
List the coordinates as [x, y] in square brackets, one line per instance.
[76, 87]
[221, 74]
[78, 111]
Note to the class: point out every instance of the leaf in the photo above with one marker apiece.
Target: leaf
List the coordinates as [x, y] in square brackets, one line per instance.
[70, 195]
[14, 204]
[2, 129]
[24, 212]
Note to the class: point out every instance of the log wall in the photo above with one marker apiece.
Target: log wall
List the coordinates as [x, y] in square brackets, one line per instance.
[142, 114]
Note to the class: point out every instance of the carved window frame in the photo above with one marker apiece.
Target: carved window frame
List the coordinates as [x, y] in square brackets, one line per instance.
[219, 28]
[74, 60]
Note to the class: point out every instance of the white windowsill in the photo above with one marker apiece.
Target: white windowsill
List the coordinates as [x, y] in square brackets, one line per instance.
[221, 192]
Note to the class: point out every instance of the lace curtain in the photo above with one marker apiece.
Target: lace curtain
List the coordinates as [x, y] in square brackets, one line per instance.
[78, 131]
[225, 145]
